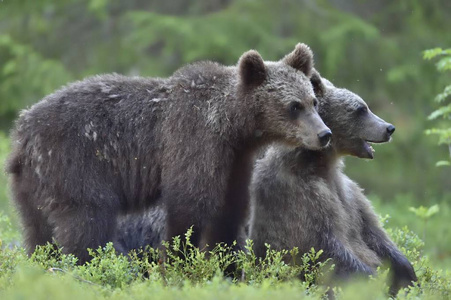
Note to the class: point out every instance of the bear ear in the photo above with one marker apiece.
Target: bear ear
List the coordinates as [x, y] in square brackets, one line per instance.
[251, 68]
[301, 59]
[318, 86]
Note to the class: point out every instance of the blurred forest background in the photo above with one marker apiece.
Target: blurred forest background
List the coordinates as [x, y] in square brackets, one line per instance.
[374, 48]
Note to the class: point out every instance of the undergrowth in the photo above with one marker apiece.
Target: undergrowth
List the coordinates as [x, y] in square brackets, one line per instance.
[184, 271]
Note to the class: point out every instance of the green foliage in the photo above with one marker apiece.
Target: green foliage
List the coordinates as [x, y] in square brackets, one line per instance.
[437, 245]
[26, 75]
[49, 273]
[51, 257]
[408, 242]
[9, 233]
[442, 163]
[280, 265]
[31, 282]
[444, 111]
[10, 259]
[434, 283]
[432, 53]
[107, 268]
[189, 272]
[445, 94]
[186, 262]
[4, 150]
[425, 213]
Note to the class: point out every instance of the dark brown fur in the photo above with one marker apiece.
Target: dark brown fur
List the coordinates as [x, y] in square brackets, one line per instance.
[112, 144]
[302, 199]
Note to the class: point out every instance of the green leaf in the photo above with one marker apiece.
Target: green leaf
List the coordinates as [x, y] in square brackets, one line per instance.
[434, 209]
[318, 254]
[442, 163]
[438, 131]
[424, 212]
[10, 67]
[400, 73]
[444, 139]
[443, 111]
[442, 96]
[444, 64]
[431, 53]
[98, 7]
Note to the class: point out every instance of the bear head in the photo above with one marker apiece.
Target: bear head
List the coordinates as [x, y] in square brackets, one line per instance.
[353, 124]
[283, 97]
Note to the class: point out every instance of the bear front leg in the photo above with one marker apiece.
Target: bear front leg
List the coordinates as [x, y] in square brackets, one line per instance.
[402, 273]
[178, 221]
[227, 227]
[346, 262]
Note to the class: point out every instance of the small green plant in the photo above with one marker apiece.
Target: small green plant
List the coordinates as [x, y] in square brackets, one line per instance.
[270, 268]
[444, 111]
[107, 268]
[10, 236]
[184, 262]
[425, 213]
[283, 266]
[50, 256]
[10, 258]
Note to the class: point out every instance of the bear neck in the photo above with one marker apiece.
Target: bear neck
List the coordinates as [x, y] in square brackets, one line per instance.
[232, 108]
[247, 135]
[323, 163]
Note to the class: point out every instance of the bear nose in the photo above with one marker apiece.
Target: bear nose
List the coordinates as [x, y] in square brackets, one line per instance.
[324, 137]
[390, 129]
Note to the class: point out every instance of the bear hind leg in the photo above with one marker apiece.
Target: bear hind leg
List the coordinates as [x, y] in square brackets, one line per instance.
[37, 230]
[88, 227]
[36, 227]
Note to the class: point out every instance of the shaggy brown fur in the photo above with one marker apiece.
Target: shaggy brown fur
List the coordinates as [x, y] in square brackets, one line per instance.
[301, 198]
[112, 144]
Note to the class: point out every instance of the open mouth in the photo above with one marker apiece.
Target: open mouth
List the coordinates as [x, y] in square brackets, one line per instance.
[368, 145]
[369, 148]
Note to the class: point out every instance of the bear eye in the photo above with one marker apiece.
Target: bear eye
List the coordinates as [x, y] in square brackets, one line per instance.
[295, 109]
[362, 109]
[296, 106]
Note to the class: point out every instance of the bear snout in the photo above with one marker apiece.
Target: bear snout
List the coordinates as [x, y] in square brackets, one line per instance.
[324, 137]
[390, 129]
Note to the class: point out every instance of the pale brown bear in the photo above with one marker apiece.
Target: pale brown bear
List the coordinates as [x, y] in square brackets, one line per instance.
[301, 198]
[112, 144]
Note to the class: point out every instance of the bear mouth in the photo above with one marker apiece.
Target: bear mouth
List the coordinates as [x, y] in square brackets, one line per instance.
[368, 146]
